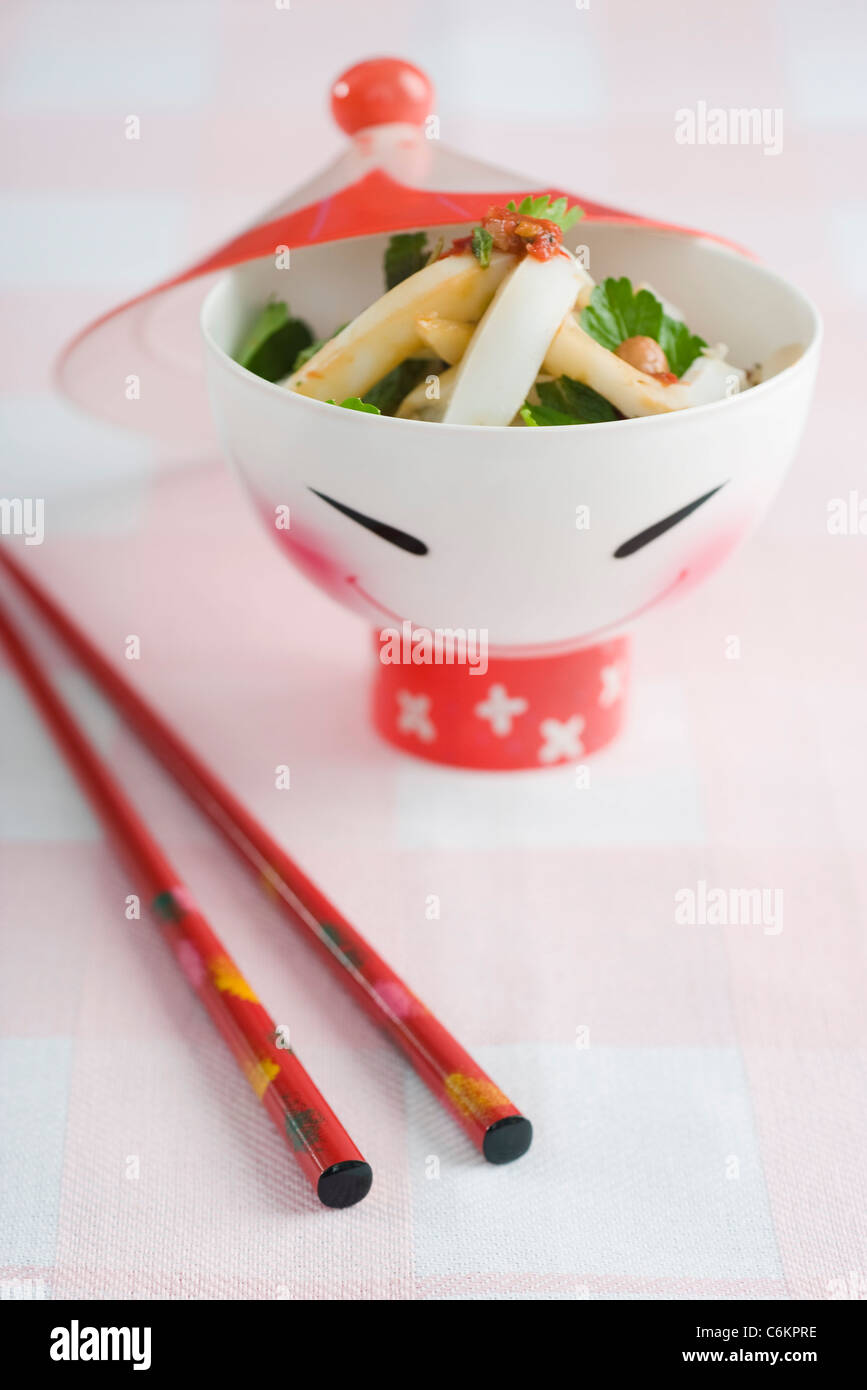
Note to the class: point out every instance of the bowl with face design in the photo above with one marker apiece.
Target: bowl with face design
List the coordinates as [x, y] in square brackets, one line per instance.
[543, 546]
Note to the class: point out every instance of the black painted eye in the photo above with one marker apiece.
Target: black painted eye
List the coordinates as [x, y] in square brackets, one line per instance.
[659, 527]
[379, 528]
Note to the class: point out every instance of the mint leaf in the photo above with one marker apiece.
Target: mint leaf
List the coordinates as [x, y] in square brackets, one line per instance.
[273, 342]
[482, 245]
[388, 392]
[355, 403]
[616, 313]
[681, 347]
[558, 211]
[581, 402]
[405, 254]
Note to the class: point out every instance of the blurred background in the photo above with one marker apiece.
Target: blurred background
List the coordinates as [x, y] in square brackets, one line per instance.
[556, 910]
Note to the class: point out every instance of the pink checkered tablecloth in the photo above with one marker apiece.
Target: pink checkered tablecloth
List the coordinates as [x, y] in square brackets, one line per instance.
[698, 1092]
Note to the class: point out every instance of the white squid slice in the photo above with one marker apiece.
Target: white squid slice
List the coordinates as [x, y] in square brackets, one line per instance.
[387, 332]
[575, 354]
[711, 378]
[507, 348]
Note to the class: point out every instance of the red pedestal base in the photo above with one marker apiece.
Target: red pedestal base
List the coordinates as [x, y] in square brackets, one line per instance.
[523, 712]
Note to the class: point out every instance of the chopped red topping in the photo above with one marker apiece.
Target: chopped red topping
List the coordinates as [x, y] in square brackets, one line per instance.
[666, 378]
[522, 235]
[513, 232]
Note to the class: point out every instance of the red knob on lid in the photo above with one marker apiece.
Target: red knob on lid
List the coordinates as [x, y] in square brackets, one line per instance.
[380, 91]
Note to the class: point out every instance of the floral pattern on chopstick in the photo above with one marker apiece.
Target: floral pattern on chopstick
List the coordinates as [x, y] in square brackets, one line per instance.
[228, 979]
[396, 998]
[260, 1073]
[303, 1129]
[342, 946]
[170, 906]
[475, 1096]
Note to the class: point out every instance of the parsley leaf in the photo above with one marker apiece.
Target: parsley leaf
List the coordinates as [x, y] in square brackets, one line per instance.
[679, 345]
[273, 342]
[354, 403]
[482, 245]
[558, 211]
[405, 254]
[615, 313]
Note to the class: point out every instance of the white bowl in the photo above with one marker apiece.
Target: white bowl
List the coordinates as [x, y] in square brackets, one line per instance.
[504, 547]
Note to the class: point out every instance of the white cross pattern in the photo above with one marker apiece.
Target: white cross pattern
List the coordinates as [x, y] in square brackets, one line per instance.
[613, 680]
[562, 739]
[414, 716]
[500, 709]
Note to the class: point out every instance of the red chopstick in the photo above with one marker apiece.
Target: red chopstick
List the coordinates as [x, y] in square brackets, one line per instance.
[319, 1143]
[493, 1123]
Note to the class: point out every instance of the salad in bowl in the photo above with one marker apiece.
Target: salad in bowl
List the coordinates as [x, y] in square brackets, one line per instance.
[571, 514]
[505, 326]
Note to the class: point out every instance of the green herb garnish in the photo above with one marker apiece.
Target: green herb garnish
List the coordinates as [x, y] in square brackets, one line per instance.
[355, 403]
[273, 342]
[681, 347]
[568, 402]
[558, 211]
[482, 245]
[616, 312]
[405, 254]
